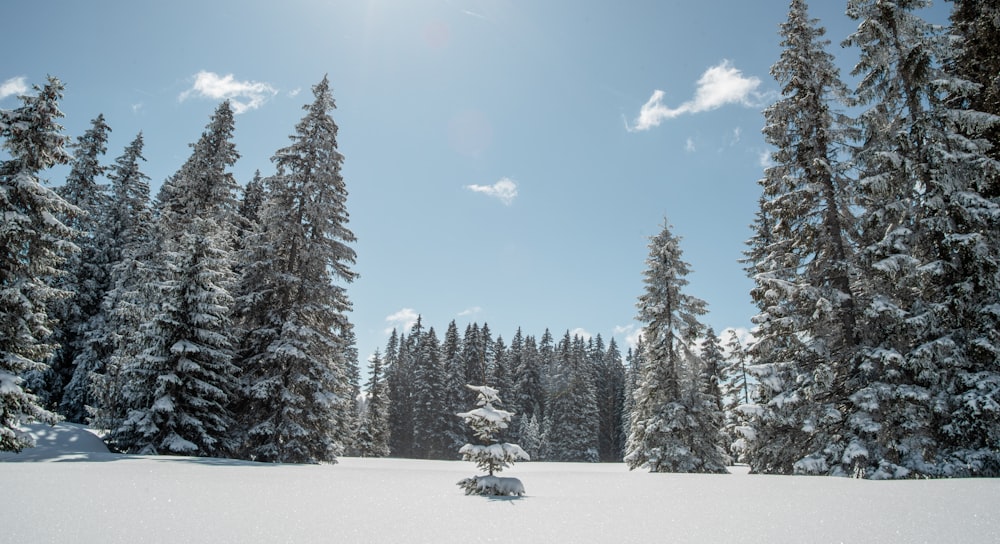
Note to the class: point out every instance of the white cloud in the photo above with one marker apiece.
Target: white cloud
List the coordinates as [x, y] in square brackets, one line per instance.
[14, 86]
[718, 86]
[242, 95]
[403, 319]
[631, 332]
[505, 190]
[764, 159]
[581, 332]
[737, 134]
[689, 146]
[470, 311]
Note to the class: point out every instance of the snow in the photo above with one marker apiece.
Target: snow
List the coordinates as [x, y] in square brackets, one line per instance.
[70, 489]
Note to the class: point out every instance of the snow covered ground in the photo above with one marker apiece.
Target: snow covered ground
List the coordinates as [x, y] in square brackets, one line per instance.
[70, 489]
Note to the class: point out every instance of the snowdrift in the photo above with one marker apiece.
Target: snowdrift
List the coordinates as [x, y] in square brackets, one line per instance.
[70, 489]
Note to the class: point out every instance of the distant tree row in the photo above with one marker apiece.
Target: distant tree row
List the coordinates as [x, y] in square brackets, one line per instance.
[195, 323]
[568, 397]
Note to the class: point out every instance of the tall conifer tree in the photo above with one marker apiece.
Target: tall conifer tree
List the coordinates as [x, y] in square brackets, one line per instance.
[181, 386]
[674, 425]
[128, 231]
[34, 245]
[928, 258]
[803, 264]
[89, 273]
[296, 356]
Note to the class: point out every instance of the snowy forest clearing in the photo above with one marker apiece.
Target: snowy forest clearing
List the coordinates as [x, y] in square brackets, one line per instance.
[74, 492]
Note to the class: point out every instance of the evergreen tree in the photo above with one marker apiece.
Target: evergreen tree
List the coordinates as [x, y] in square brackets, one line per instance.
[571, 427]
[633, 368]
[130, 246]
[808, 320]
[34, 245]
[487, 421]
[501, 377]
[969, 424]
[180, 388]
[735, 395]
[373, 433]
[399, 378]
[921, 403]
[251, 203]
[296, 355]
[975, 58]
[713, 362]
[610, 384]
[674, 425]
[429, 408]
[530, 433]
[528, 390]
[474, 349]
[454, 386]
[88, 274]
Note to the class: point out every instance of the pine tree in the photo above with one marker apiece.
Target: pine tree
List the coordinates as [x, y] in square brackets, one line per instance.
[296, 356]
[130, 246]
[808, 321]
[399, 378]
[454, 386]
[429, 407]
[373, 433]
[88, 276]
[975, 58]
[610, 385]
[919, 405]
[736, 395]
[634, 363]
[571, 426]
[969, 424]
[501, 376]
[528, 390]
[34, 244]
[181, 386]
[674, 425]
[491, 456]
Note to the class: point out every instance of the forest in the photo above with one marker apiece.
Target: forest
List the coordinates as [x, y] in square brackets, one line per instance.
[213, 319]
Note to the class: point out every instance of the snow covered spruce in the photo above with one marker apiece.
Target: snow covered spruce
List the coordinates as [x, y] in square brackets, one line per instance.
[486, 421]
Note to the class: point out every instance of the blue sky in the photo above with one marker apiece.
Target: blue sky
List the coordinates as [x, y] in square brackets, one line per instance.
[507, 161]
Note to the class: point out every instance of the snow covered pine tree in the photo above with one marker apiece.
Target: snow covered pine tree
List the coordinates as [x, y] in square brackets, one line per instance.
[486, 421]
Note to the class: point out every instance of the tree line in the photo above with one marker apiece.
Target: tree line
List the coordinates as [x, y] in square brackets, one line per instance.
[201, 323]
[567, 396]
[193, 323]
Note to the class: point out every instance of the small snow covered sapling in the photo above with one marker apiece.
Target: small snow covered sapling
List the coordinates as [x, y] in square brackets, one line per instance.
[486, 421]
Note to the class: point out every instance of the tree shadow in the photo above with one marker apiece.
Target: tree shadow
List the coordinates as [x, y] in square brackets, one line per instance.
[505, 498]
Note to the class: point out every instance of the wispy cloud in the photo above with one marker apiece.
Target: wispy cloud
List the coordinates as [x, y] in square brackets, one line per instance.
[242, 95]
[470, 311]
[581, 332]
[690, 146]
[631, 332]
[14, 86]
[764, 159]
[403, 319]
[504, 190]
[471, 13]
[718, 86]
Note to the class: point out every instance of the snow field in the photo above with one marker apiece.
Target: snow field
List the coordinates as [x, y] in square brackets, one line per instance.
[72, 492]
